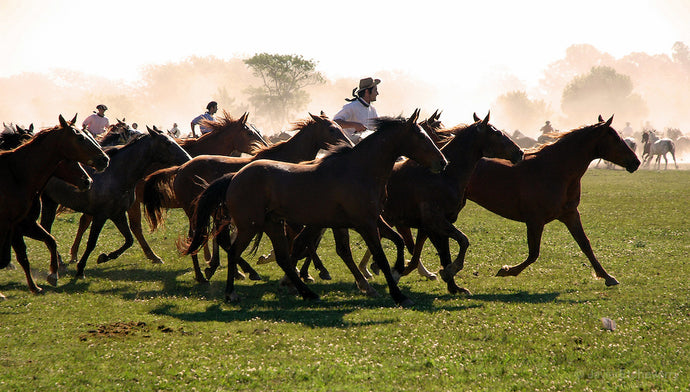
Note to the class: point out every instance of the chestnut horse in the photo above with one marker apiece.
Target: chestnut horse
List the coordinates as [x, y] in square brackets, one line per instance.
[345, 189]
[431, 202]
[24, 172]
[227, 135]
[178, 187]
[545, 186]
[112, 192]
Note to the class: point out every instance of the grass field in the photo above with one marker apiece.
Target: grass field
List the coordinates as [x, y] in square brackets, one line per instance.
[136, 326]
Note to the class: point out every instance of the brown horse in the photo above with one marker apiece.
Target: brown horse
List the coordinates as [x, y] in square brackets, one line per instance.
[545, 186]
[25, 171]
[343, 190]
[227, 135]
[431, 202]
[178, 187]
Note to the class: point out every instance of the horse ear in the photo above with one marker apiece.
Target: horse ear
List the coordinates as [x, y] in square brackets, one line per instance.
[243, 119]
[315, 118]
[609, 121]
[601, 119]
[74, 119]
[31, 128]
[151, 131]
[486, 119]
[415, 116]
[476, 118]
[63, 123]
[323, 114]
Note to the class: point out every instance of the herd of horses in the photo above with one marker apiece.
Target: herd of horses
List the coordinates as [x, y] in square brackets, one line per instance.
[409, 173]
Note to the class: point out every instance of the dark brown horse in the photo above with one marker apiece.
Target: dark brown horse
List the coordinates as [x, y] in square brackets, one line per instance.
[25, 171]
[112, 192]
[343, 190]
[117, 134]
[545, 186]
[431, 202]
[178, 187]
[226, 136]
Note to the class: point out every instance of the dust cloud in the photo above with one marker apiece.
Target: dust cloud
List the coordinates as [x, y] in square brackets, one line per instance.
[176, 92]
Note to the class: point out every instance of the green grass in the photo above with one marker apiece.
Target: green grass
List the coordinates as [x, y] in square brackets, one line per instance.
[135, 326]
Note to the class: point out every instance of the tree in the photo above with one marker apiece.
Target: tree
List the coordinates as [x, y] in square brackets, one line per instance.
[602, 90]
[284, 77]
[522, 113]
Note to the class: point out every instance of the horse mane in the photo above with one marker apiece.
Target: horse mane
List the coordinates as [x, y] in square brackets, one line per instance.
[296, 126]
[564, 137]
[220, 123]
[114, 150]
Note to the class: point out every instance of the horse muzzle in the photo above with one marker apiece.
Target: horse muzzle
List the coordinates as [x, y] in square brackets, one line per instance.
[85, 185]
[632, 165]
[517, 157]
[438, 166]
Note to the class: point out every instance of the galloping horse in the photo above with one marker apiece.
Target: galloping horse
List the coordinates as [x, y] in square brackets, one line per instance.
[659, 147]
[431, 202]
[345, 189]
[227, 135]
[178, 187]
[25, 171]
[112, 192]
[545, 186]
[117, 134]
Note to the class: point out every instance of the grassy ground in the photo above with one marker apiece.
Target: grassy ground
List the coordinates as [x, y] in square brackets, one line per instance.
[132, 325]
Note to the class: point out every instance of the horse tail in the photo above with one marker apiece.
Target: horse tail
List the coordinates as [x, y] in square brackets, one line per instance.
[204, 206]
[158, 188]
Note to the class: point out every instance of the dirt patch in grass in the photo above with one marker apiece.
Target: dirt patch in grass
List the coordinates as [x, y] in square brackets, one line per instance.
[117, 329]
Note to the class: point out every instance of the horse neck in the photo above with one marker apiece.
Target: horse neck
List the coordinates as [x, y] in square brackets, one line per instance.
[130, 164]
[303, 146]
[570, 156]
[376, 154]
[218, 142]
[37, 173]
[462, 152]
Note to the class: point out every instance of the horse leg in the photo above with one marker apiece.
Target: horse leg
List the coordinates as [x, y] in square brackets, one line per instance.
[234, 252]
[363, 264]
[373, 241]
[387, 232]
[198, 275]
[134, 214]
[122, 225]
[441, 243]
[342, 248]
[19, 247]
[96, 227]
[304, 245]
[463, 242]
[416, 260]
[36, 232]
[534, 232]
[276, 232]
[84, 223]
[574, 225]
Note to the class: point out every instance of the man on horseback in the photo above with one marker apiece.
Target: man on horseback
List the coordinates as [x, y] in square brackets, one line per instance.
[211, 109]
[97, 122]
[355, 115]
[547, 128]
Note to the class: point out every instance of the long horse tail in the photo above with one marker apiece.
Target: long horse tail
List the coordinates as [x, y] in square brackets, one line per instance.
[158, 188]
[205, 205]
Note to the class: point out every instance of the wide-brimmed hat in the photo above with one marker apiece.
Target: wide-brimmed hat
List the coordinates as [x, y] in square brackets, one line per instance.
[101, 106]
[368, 83]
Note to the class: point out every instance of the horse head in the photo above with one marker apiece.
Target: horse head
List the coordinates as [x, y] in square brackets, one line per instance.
[415, 143]
[496, 144]
[79, 145]
[164, 149]
[611, 147]
[325, 132]
[74, 174]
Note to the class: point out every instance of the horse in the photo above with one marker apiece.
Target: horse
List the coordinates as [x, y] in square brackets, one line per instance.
[14, 136]
[653, 146]
[25, 170]
[523, 141]
[112, 192]
[117, 134]
[227, 135]
[344, 189]
[545, 186]
[178, 187]
[431, 202]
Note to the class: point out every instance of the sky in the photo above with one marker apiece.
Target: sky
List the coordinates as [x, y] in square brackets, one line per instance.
[431, 39]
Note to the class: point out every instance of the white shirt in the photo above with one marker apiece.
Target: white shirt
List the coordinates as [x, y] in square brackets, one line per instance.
[356, 111]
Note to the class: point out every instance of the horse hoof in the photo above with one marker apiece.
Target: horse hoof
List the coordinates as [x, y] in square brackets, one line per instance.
[210, 271]
[371, 292]
[232, 298]
[459, 290]
[37, 290]
[308, 279]
[254, 276]
[52, 279]
[238, 275]
[156, 260]
[310, 296]
[504, 271]
[445, 275]
[2, 297]
[325, 275]
[102, 258]
[430, 276]
[406, 303]
[611, 281]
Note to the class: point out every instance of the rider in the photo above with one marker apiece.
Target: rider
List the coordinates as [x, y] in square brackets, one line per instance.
[211, 109]
[97, 122]
[355, 116]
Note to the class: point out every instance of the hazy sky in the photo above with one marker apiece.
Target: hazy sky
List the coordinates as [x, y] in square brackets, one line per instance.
[433, 40]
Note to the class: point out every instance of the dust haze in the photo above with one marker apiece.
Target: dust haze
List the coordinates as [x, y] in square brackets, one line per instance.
[176, 92]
